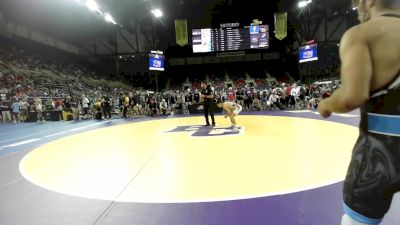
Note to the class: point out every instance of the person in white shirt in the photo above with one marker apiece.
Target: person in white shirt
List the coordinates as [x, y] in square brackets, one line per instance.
[295, 91]
[163, 107]
[296, 94]
[273, 98]
[39, 109]
[24, 105]
[85, 105]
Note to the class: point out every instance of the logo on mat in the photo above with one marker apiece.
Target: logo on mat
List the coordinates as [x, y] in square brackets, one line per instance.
[201, 131]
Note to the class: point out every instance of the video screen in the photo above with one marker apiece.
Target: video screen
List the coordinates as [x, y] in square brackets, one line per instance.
[230, 38]
[201, 39]
[308, 53]
[156, 61]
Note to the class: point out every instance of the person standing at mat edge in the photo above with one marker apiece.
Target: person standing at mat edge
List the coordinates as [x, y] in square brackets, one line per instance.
[370, 74]
[207, 96]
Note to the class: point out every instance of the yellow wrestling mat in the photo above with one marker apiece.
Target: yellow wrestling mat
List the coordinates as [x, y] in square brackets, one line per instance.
[143, 162]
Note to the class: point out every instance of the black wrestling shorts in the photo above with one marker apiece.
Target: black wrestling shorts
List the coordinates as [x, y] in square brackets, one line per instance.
[373, 177]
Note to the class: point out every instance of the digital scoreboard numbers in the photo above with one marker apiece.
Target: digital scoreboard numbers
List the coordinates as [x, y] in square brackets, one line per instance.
[235, 39]
[230, 38]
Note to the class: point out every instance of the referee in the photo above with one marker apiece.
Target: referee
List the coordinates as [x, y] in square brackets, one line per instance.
[207, 97]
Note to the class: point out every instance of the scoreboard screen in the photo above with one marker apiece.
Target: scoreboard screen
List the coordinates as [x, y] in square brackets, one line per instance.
[156, 61]
[230, 38]
[308, 53]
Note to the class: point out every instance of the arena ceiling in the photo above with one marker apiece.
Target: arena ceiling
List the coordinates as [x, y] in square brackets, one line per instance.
[73, 22]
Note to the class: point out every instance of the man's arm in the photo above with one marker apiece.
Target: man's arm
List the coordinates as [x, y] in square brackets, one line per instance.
[356, 74]
[210, 96]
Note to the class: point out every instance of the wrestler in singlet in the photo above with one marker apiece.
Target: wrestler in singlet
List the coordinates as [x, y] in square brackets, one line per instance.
[235, 108]
[232, 109]
[373, 176]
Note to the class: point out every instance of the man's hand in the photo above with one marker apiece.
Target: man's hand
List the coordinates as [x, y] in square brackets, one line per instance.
[323, 109]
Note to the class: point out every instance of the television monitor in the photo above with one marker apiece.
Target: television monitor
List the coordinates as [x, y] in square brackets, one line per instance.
[156, 60]
[308, 53]
[230, 38]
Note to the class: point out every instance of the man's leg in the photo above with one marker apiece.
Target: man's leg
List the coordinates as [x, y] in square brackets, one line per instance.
[233, 121]
[124, 112]
[206, 107]
[212, 114]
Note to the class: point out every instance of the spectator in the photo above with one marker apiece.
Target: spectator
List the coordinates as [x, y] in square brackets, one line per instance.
[39, 110]
[273, 99]
[231, 95]
[107, 105]
[240, 97]
[163, 107]
[74, 103]
[15, 110]
[85, 105]
[257, 104]
[24, 105]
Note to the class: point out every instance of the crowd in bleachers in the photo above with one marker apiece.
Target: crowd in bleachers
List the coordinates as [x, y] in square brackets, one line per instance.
[35, 82]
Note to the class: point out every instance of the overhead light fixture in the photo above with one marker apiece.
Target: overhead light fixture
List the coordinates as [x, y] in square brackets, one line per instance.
[157, 13]
[304, 3]
[92, 5]
[109, 18]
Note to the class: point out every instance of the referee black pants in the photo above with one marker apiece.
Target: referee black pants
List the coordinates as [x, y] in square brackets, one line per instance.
[209, 110]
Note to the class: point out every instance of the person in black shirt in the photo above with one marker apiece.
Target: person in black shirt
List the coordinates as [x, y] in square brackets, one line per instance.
[107, 104]
[239, 97]
[207, 97]
[74, 103]
[196, 97]
[66, 104]
[189, 98]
